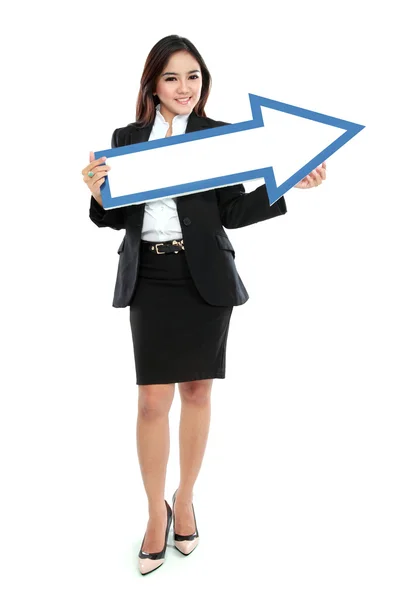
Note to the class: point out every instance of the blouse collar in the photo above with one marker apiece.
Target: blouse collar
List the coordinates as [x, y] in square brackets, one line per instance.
[181, 118]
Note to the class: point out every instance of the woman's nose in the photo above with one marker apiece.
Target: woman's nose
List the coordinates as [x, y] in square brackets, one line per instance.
[183, 89]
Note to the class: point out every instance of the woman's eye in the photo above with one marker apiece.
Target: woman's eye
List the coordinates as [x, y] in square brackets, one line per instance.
[170, 78]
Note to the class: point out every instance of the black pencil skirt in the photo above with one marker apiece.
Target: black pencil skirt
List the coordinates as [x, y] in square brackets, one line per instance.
[177, 336]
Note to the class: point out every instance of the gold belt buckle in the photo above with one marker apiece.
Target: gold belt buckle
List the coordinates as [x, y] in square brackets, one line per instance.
[175, 243]
[160, 244]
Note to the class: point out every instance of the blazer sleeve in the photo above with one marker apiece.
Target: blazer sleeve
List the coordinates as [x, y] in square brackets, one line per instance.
[114, 217]
[239, 208]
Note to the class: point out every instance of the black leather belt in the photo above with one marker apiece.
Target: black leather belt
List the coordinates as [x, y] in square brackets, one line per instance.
[174, 246]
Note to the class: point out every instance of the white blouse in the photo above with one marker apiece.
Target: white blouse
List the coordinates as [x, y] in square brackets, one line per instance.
[161, 221]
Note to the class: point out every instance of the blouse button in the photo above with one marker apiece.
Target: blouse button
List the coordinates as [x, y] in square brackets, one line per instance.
[187, 221]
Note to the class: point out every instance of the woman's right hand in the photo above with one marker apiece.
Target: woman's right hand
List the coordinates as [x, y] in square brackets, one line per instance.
[100, 171]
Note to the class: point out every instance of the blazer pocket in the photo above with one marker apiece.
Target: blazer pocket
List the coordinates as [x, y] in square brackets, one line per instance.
[121, 247]
[224, 243]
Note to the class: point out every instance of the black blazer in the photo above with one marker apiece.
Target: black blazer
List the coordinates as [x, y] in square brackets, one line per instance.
[202, 215]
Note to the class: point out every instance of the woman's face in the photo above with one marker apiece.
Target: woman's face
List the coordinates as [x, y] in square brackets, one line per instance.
[181, 78]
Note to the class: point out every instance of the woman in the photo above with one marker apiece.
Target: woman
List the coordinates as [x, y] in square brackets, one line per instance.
[177, 273]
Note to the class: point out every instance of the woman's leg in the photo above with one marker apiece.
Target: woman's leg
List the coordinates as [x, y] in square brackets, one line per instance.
[193, 435]
[152, 436]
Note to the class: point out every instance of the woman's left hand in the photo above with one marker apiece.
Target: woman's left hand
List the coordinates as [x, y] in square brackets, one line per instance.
[315, 178]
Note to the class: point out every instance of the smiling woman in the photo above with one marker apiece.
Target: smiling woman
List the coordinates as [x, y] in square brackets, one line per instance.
[177, 274]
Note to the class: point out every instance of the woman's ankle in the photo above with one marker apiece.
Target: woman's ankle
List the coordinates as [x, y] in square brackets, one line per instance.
[157, 508]
[184, 495]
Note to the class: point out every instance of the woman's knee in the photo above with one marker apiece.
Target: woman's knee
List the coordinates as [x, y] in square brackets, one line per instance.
[155, 400]
[196, 392]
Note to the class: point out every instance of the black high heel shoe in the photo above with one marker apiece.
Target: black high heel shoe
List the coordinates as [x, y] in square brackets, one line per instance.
[185, 543]
[150, 561]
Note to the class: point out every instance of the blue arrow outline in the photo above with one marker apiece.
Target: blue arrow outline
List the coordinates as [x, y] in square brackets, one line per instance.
[274, 192]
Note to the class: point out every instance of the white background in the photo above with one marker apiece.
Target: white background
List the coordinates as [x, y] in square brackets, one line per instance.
[299, 490]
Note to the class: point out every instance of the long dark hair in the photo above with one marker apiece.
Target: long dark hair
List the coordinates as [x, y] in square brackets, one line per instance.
[157, 59]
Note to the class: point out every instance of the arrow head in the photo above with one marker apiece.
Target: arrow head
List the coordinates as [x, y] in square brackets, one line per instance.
[299, 141]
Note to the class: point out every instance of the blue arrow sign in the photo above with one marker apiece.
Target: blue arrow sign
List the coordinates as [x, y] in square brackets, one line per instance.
[275, 145]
